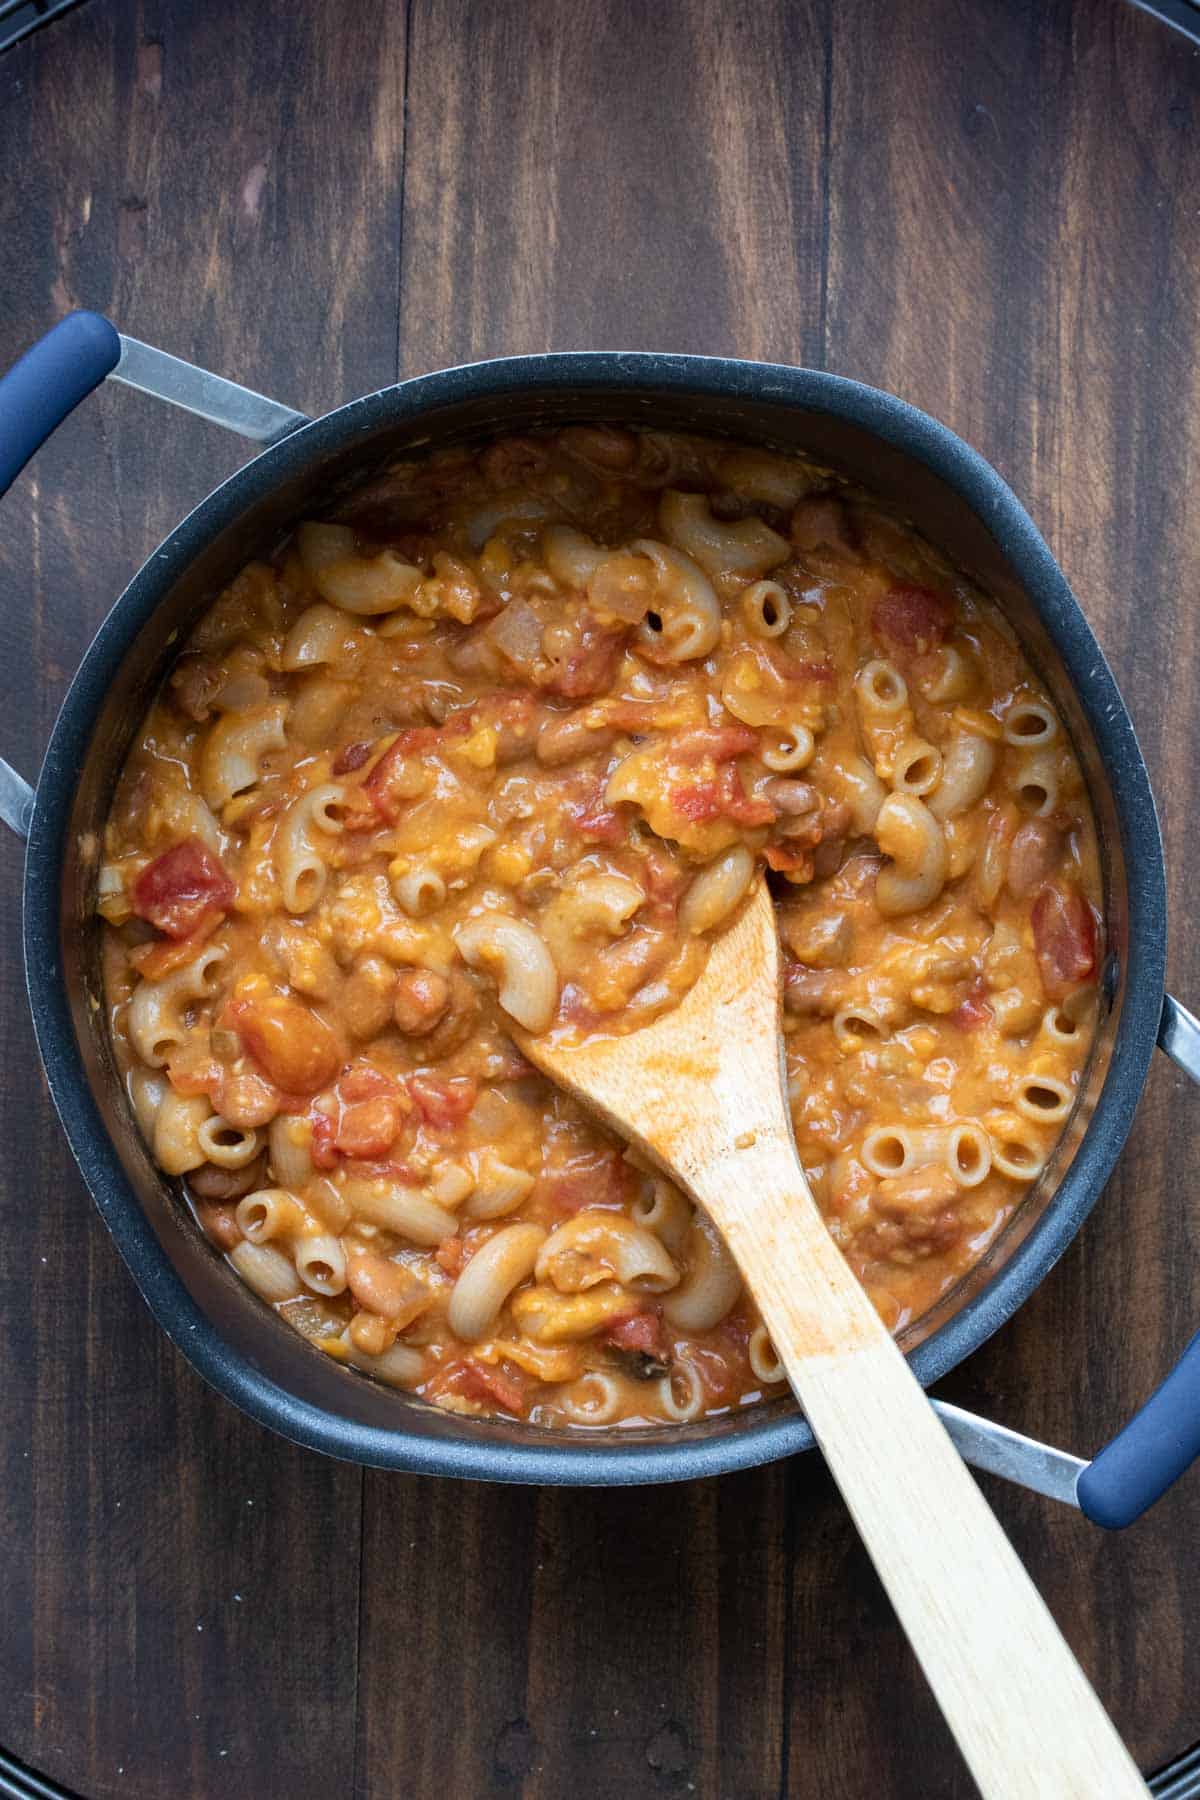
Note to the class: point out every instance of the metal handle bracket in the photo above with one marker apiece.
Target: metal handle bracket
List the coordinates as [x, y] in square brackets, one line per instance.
[209, 396]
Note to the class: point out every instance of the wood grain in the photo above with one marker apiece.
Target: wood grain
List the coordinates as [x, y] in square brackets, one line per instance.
[988, 209]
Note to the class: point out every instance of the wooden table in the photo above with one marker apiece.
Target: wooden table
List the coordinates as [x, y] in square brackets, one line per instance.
[994, 211]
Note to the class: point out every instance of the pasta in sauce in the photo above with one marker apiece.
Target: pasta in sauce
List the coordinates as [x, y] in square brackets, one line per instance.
[506, 738]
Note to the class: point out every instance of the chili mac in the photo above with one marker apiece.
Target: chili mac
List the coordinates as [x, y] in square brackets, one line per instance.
[506, 738]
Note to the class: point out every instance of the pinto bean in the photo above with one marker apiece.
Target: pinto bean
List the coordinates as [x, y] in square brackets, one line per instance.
[371, 1334]
[567, 737]
[820, 940]
[604, 447]
[386, 1288]
[421, 1000]
[218, 1223]
[210, 1183]
[367, 997]
[246, 1100]
[511, 460]
[195, 685]
[791, 798]
[1035, 854]
[926, 1191]
[810, 992]
[835, 823]
[820, 522]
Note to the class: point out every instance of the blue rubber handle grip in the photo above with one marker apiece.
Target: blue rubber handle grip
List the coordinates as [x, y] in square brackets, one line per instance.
[49, 382]
[1157, 1445]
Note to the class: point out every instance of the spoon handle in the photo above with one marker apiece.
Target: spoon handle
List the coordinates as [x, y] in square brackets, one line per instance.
[1021, 1709]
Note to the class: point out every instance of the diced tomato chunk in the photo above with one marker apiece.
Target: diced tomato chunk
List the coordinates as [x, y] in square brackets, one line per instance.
[790, 859]
[322, 1147]
[591, 1178]
[721, 796]
[364, 1082]
[442, 1103]
[912, 618]
[218, 1221]
[194, 1074]
[598, 824]
[640, 1331]
[495, 1384]
[163, 955]
[699, 801]
[295, 1049]
[417, 740]
[450, 1255]
[741, 807]
[589, 668]
[1064, 936]
[185, 892]
[369, 1128]
[368, 1113]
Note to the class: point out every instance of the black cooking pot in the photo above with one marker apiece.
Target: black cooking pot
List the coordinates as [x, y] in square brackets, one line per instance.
[904, 456]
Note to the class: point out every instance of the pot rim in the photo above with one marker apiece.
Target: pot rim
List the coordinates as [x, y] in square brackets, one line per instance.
[770, 1431]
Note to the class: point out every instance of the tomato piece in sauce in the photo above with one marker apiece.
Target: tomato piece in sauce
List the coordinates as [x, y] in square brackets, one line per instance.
[451, 1256]
[322, 1148]
[163, 955]
[790, 859]
[1064, 937]
[698, 801]
[369, 1128]
[913, 619]
[721, 796]
[639, 1331]
[495, 1384]
[185, 893]
[368, 1113]
[293, 1047]
[442, 1103]
[380, 786]
[219, 1224]
[590, 666]
[597, 1179]
[743, 808]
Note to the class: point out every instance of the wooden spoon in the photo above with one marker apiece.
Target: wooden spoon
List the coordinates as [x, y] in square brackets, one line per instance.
[701, 1092]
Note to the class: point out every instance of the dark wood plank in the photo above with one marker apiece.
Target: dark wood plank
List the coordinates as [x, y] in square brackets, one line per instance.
[648, 178]
[991, 213]
[177, 1608]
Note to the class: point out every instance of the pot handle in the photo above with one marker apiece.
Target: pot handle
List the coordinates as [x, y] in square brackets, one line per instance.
[49, 382]
[1162, 1440]
[74, 357]
[62, 369]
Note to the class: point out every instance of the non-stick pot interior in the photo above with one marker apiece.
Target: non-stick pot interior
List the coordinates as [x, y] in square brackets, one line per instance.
[242, 1345]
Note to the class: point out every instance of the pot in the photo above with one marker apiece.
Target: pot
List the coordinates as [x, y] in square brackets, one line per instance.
[901, 454]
